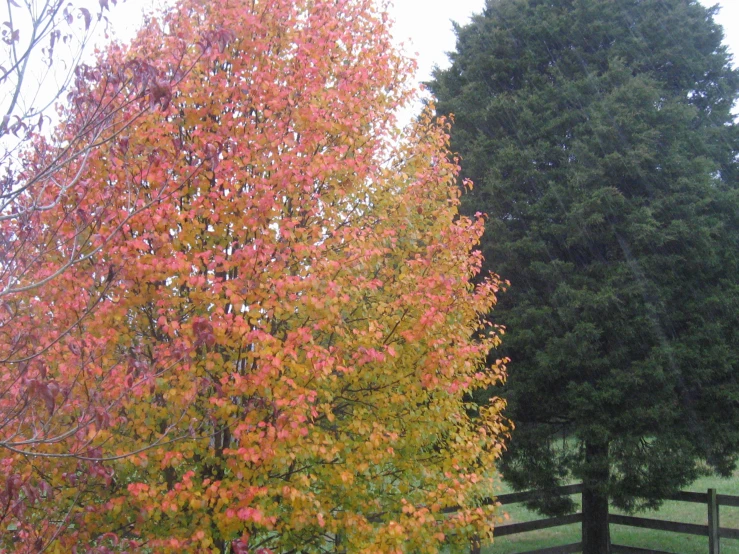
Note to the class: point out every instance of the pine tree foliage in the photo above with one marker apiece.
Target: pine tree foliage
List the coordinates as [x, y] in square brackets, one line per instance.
[600, 139]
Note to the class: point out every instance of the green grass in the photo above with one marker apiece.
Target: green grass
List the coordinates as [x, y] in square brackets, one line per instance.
[680, 543]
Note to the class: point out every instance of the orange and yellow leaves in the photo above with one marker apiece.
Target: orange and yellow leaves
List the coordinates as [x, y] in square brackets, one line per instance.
[290, 329]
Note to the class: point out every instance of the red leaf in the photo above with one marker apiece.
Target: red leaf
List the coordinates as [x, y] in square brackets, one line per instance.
[87, 16]
[46, 395]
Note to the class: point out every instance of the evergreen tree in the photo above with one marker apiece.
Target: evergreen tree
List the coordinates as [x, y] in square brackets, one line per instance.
[600, 139]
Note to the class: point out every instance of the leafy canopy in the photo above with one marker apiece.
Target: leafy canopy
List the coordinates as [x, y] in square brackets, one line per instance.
[286, 330]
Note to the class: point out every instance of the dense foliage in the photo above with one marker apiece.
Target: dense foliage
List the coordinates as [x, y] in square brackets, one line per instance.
[599, 137]
[284, 337]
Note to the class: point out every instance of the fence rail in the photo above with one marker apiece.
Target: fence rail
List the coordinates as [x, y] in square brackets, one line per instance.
[710, 499]
[659, 524]
[620, 549]
[525, 496]
[515, 528]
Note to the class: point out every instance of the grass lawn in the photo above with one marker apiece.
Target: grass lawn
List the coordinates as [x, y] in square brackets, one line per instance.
[630, 536]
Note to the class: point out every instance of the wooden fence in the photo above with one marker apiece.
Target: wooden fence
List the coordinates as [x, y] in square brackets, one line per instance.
[710, 499]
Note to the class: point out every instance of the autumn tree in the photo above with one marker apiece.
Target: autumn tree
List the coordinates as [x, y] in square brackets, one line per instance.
[47, 227]
[43, 43]
[43, 232]
[286, 336]
[600, 139]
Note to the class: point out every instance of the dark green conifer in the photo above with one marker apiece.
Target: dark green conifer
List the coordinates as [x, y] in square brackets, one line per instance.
[600, 139]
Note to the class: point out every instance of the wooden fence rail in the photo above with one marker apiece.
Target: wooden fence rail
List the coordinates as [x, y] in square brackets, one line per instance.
[710, 499]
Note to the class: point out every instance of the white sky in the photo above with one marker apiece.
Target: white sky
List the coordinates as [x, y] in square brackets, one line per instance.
[426, 26]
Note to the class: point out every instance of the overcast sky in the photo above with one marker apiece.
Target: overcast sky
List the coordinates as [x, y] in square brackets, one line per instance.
[426, 26]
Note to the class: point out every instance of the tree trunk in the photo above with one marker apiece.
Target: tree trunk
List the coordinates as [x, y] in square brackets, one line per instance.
[596, 536]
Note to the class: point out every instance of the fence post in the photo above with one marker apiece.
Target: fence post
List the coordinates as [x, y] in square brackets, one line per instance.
[582, 525]
[475, 545]
[713, 536]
